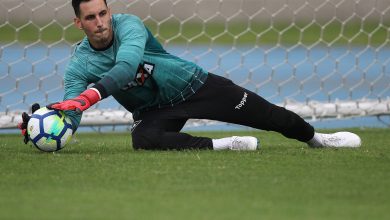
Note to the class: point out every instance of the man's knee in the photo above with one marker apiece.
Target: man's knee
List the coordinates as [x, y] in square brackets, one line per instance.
[145, 140]
[290, 124]
[281, 118]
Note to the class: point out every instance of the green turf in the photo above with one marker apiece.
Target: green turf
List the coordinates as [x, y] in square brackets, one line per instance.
[100, 176]
[309, 34]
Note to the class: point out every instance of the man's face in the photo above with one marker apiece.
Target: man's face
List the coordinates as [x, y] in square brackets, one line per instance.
[95, 21]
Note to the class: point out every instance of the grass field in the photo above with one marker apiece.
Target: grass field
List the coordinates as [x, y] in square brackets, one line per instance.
[333, 33]
[100, 176]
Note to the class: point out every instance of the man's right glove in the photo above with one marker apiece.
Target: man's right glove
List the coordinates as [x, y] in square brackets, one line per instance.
[79, 104]
[25, 118]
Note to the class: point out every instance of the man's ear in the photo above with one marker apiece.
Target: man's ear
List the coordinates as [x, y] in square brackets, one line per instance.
[109, 12]
[77, 23]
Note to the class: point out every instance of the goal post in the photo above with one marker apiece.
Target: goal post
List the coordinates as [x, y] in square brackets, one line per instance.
[318, 58]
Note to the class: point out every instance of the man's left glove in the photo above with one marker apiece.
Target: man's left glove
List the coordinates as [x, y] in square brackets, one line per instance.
[79, 104]
[25, 118]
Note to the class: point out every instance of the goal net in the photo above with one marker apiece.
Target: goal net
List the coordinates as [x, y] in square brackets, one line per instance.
[319, 58]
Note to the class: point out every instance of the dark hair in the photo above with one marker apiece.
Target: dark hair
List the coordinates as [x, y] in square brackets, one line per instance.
[76, 6]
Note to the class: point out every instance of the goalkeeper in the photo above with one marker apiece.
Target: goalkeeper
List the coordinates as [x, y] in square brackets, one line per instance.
[121, 58]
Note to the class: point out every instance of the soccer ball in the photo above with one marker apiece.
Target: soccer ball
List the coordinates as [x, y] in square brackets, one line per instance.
[49, 130]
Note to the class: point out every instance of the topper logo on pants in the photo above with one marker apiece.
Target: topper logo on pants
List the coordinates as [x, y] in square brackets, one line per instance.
[243, 101]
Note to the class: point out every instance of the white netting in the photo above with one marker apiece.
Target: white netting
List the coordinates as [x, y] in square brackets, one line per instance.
[320, 58]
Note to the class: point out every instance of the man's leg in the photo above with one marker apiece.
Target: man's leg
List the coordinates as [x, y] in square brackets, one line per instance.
[160, 130]
[153, 133]
[231, 103]
[220, 99]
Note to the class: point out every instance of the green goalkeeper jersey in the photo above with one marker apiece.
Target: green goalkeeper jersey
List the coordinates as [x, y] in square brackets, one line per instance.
[153, 79]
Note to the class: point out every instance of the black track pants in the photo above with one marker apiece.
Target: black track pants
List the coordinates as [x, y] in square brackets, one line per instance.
[219, 99]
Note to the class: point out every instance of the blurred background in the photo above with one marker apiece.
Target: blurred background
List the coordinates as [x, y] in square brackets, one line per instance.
[327, 60]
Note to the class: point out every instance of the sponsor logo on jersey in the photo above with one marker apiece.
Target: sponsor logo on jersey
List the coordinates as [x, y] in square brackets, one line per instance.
[243, 101]
[144, 72]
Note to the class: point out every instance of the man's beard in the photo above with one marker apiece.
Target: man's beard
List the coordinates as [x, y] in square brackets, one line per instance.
[105, 37]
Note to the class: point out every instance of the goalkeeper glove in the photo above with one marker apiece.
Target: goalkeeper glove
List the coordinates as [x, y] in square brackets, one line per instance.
[79, 104]
[25, 118]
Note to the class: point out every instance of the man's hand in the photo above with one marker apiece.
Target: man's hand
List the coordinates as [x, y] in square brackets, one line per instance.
[25, 118]
[80, 103]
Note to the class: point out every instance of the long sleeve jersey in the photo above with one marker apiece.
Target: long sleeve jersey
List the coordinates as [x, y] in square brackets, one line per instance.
[152, 77]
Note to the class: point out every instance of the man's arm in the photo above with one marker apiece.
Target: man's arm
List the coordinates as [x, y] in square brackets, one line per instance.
[75, 82]
[132, 36]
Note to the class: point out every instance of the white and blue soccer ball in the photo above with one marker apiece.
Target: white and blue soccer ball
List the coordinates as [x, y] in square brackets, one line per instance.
[49, 130]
